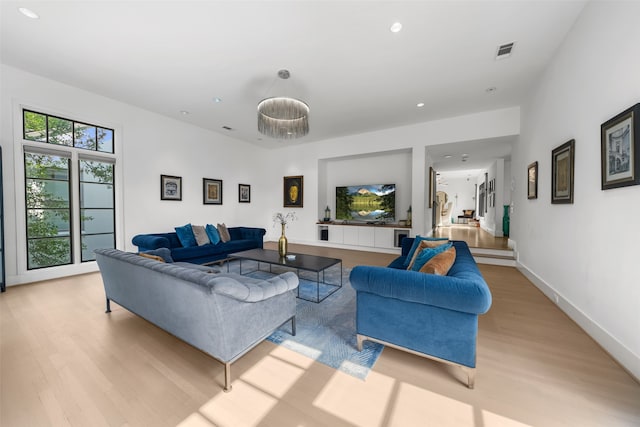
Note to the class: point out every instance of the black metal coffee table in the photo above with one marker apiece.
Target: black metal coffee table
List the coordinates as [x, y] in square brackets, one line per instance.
[313, 263]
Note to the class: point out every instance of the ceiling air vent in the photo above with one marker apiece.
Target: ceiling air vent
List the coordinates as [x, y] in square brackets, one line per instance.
[504, 51]
[227, 128]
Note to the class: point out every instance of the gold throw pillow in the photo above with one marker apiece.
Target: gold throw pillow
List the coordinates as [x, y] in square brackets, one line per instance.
[441, 263]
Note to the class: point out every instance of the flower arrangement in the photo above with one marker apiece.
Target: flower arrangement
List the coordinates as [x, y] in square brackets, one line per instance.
[283, 219]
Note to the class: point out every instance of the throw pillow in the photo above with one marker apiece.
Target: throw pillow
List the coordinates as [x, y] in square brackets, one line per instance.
[200, 234]
[425, 244]
[426, 254]
[441, 263]
[213, 234]
[416, 242]
[154, 257]
[164, 253]
[224, 233]
[185, 235]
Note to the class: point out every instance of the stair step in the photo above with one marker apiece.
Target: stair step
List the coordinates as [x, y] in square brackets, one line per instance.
[494, 256]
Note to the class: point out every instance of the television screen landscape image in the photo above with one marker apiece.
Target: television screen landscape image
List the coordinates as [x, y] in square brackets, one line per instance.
[366, 203]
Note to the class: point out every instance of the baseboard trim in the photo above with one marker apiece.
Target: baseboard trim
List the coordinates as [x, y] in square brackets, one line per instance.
[629, 361]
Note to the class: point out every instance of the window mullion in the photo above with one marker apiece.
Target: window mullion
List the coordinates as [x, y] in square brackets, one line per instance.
[75, 207]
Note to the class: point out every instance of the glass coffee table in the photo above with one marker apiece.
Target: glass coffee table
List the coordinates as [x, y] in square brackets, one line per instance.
[312, 263]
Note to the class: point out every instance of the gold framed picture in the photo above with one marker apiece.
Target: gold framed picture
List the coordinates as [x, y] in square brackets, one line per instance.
[293, 191]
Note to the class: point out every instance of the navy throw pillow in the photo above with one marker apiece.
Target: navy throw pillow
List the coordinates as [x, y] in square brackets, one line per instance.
[186, 236]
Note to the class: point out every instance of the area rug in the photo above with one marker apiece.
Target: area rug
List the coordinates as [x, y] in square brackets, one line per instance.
[326, 331]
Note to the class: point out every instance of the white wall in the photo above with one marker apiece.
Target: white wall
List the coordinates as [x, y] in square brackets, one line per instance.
[309, 160]
[380, 168]
[147, 145]
[585, 253]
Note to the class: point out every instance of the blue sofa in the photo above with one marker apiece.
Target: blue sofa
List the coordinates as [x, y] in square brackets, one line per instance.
[425, 314]
[242, 239]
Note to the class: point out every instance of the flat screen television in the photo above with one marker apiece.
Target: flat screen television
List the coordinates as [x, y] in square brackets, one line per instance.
[366, 203]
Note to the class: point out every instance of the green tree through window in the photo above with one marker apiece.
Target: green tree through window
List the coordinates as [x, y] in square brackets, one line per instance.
[49, 199]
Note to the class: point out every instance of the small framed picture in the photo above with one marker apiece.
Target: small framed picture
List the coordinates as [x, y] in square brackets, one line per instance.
[532, 181]
[211, 191]
[170, 187]
[293, 191]
[244, 193]
[620, 151]
[562, 166]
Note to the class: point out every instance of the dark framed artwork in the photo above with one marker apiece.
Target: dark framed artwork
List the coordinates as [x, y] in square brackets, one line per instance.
[170, 187]
[244, 193]
[211, 191]
[486, 193]
[562, 166]
[620, 151]
[293, 191]
[532, 181]
[432, 183]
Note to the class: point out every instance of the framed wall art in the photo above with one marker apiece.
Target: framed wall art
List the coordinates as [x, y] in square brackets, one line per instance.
[532, 181]
[211, 191]
[293, 191]
[244, 193]
[620, 151]
[562, 166]
[170, 187]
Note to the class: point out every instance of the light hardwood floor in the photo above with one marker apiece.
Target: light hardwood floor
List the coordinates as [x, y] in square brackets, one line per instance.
[475, 237]
[63, 362]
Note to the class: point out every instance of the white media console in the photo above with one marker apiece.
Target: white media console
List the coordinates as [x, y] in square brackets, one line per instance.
[383, 236]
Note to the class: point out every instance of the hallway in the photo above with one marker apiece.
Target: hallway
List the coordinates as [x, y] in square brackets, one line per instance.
[475, 237]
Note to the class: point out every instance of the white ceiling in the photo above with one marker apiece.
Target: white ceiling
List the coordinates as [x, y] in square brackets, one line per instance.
[356, 75]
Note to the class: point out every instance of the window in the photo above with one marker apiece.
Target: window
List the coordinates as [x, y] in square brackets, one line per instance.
[57, 130]
[69, 189]
[48, 206]
[97, 213]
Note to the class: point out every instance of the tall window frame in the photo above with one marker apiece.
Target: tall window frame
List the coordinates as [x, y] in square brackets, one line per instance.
[92, 170]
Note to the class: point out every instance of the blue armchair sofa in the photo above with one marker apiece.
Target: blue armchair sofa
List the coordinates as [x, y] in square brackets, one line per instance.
[425, 314]
[242, 239]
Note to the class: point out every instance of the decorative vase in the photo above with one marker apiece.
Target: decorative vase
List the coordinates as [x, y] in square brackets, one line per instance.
[282, 243]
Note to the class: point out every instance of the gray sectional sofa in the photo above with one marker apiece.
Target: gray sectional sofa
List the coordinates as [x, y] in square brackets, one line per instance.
[225, 315]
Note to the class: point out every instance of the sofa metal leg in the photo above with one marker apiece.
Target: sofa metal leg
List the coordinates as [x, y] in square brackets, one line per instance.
[293, 326]
[471, 376]
[360, 339]
[108, 306]
[227, 377]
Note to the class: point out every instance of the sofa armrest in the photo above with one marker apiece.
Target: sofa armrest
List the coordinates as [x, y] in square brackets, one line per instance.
[148, 242]
[226, 284]
[464, 295]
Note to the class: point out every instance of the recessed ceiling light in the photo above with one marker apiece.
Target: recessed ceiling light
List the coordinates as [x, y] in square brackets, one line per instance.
[396, 27]
[184, 113]
[420, 104]
[28, 13]
[217, 100]
[448, 156]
